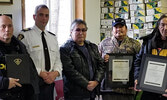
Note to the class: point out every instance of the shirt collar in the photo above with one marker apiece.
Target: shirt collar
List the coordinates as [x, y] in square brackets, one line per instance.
[38, 30]
[113, 38]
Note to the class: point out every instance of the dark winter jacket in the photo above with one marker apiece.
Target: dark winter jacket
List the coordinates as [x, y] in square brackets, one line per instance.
[76, 69]
[16, 47]
[150, 45]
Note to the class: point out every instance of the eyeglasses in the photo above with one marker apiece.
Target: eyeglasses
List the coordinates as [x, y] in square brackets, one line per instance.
[79, 30]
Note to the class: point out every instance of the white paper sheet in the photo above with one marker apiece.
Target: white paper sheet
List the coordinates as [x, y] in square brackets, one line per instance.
[120, 70]
[155, 73]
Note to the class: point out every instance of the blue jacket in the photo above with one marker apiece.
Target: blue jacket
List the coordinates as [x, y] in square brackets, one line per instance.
[146, 48]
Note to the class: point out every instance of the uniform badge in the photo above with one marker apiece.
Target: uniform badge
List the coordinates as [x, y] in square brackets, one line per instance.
[2, 66]
[17, 61]
[20, 36]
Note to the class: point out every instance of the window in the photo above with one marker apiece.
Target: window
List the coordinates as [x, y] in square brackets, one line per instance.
[60, 16]
[65, 18]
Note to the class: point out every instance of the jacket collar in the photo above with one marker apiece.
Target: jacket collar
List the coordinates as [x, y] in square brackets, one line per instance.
[74, 43]
[115, 40]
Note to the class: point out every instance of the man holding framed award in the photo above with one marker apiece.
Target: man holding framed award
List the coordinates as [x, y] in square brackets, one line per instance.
[14, 86]
[120, 45]
[151, 63]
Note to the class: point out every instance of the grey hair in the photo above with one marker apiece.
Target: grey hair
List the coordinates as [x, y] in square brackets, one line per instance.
[78, 22]
[40, 6]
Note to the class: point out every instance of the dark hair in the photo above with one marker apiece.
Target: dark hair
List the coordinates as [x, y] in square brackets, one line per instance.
[77, 22]
[40, 6]
[156, 29]
[156, 35]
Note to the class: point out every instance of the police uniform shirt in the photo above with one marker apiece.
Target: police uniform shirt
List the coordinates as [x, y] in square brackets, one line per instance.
[32, 39]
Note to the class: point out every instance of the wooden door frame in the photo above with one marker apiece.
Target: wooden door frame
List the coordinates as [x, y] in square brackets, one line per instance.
[80, 9]
[23, 13]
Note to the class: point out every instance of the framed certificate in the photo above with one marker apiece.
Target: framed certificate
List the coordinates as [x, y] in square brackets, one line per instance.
[119, 71]
[153, 73]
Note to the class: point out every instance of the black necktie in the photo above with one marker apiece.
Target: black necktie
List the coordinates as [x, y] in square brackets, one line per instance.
[46, 52]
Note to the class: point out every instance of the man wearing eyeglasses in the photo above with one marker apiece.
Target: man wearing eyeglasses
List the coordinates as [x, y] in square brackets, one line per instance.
[83, 67]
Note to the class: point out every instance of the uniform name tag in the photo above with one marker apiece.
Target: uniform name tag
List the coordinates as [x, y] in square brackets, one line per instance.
[35, 46]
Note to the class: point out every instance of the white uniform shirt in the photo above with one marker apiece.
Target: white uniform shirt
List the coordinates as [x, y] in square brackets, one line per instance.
[32, 40]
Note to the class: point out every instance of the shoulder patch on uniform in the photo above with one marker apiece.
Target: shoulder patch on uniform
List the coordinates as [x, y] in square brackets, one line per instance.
[26, 29]
[20, 36]
[51, 33]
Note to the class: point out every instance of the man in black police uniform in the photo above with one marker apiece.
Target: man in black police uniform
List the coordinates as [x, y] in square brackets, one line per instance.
[10, 88]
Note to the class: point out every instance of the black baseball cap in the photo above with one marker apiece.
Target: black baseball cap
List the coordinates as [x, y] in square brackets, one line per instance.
[118, 21]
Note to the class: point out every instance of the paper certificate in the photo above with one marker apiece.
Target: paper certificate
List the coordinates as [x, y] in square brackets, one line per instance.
[155, 73]
[120, 70]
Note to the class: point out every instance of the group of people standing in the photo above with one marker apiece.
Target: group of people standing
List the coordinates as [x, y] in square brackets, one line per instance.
[42, 47]
[80, 62]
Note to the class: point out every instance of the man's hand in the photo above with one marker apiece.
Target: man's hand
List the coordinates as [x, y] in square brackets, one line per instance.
[13, 83]
[92, 85]
[136, 82]
[106, 57]
[49, 77]
[165, 95]
[43, 75]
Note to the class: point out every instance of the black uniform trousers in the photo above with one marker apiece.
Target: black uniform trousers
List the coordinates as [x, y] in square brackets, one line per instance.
[46, 90]
[24, 93]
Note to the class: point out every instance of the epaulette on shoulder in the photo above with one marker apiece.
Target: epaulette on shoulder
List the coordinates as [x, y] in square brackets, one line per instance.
[26, 29]
[51, 33]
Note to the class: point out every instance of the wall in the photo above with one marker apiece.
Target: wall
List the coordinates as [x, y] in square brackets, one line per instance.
[92, 17]
[15, 10]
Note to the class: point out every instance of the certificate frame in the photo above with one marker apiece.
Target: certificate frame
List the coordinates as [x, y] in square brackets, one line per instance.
[109, 84]
[6, 1]
[156, 86]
